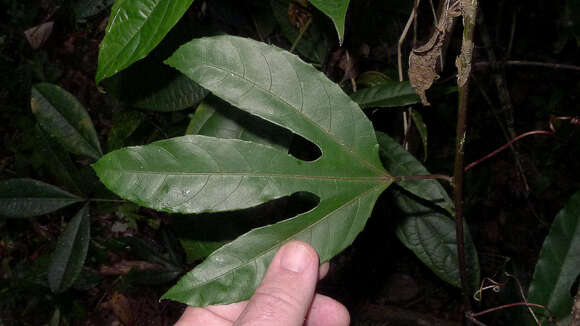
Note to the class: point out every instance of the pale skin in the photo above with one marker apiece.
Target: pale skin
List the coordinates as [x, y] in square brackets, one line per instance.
[286, 297]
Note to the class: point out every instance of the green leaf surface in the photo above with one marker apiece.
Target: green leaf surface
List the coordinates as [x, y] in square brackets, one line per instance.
[559, 262]
[336, 11]
[178, 94]
[21, 198]
[61, 115]
[217, 118]
[194, 174]
[389, 95]
[135, 28]
[372, 78]
[426, 229]
[401, 163]
[70, 253]
[430, 234]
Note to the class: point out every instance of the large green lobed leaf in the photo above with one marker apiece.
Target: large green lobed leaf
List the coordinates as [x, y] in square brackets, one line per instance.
[27, 197]
[559, 263]
[70, 253]
[62, 116]
[135, 28]
[336, 10]
[194, 174]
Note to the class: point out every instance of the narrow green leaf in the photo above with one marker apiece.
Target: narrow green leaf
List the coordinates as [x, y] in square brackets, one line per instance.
[219, 119]
[422, 129]
[336, 11]
[71, 251]
[62, 116]
[389, 95]
[135, 28]
[559, 262]
[26, 197]
[194, 174]
[401, 163]
[431, 236]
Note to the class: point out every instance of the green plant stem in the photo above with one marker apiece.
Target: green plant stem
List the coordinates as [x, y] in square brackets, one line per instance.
[107, 200]
[464, 65]
[300, 35]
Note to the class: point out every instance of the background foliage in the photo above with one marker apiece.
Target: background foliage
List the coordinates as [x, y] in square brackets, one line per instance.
[114, 248]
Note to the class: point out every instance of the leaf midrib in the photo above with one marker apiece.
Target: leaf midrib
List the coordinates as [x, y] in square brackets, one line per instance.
[383, 179]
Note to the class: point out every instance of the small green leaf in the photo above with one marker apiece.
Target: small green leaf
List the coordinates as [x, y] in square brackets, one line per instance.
[336, 11]
[217, 118]
[389, 95]
[71, 251]
[559, 263]
[401, 163]
[62, 116]
[135, 28]
[26, 197]
[194, 174]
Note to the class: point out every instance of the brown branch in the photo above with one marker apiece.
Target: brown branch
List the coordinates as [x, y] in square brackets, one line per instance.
[469, 9]
[489, 64]
[423, 177]
[529, 133]
[509, 305]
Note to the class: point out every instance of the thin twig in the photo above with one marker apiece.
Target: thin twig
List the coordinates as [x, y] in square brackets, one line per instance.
[523, 295]
[488, 64]
[423, 177]
[107, 200]
[529, 133]
[509, 305]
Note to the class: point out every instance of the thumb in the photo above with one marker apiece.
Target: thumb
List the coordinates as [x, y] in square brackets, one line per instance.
[286, 293]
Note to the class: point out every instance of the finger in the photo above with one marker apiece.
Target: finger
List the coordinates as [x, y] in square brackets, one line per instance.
[323, 270]
[194, 316]
[230, 312]
[285, 295]
[326, 311]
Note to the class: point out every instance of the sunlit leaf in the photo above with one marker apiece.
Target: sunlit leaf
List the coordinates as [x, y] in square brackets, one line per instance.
[62, 116]
[70, 253]
[135, 28]
[559, 263]
[26, 197]
[193, 174]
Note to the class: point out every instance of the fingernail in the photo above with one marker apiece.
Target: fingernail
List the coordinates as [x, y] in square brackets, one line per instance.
[295, 257]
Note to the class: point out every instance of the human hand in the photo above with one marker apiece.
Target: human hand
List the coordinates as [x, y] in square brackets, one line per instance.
[285, 298]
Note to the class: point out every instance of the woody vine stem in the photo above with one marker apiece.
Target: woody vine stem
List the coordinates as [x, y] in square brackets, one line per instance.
[469, 12]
